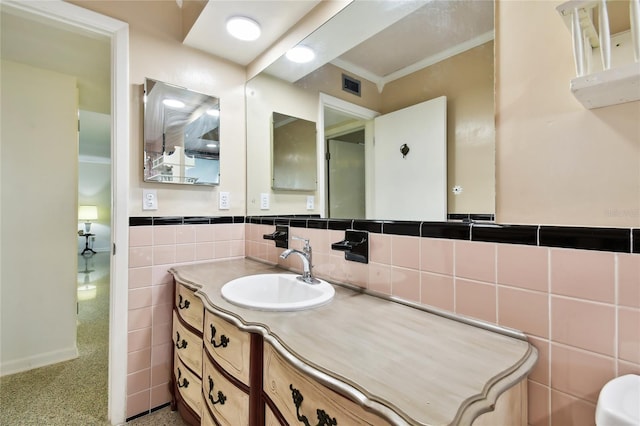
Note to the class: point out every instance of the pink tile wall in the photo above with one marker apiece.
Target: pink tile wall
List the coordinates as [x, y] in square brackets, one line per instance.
[152, 251]
[579, 308]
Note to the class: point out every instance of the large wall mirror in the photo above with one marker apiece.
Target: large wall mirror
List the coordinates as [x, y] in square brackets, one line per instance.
[181, 135]
[404, 53]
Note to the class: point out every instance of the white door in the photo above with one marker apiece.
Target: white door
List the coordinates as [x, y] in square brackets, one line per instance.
[411, 186]
[346, 179]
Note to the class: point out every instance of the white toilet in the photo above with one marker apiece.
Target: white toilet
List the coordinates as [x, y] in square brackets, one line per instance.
[619, 402]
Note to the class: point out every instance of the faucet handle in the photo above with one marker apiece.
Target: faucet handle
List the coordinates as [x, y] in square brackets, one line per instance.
[307, 246]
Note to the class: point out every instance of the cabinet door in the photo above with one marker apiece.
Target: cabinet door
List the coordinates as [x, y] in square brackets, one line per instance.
[189, 306]
[187, 345]
[229, 404]
[228, 345]
[297, 395]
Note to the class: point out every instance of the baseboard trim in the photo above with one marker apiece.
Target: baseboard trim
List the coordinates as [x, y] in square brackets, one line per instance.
[37, 361]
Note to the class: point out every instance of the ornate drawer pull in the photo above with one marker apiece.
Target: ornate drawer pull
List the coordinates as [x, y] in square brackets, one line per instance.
[221, 398]
[180, 345]
[185, 382]
[182, 305]
[224, 340]
[323, 418]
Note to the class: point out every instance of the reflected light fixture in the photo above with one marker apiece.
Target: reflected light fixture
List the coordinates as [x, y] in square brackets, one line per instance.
[213, 112]
[173, 103]
[87, 214]
[300, 54]
[211, 145]
[243, 28]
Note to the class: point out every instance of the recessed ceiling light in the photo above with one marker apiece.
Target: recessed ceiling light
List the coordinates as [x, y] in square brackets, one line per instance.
[173, 103]
[211, 145]
[213, 112]
[300, 54]
[243, 28]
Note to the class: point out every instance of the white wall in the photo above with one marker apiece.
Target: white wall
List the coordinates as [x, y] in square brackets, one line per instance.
[39, 151]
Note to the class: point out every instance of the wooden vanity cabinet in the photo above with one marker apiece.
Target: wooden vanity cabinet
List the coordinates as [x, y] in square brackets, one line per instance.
[226, 374]
[186, 380]
[295, 395]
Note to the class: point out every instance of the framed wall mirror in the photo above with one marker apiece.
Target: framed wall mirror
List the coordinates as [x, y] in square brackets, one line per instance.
[181, 135]
[407, 53]
[293, 153]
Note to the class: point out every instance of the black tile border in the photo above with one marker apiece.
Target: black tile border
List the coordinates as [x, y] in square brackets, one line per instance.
[510, 234]
[619, 240]
[396, 227]
[186, 220]
[469, 217]
[604, 239]
[373, 226]
[448, 230]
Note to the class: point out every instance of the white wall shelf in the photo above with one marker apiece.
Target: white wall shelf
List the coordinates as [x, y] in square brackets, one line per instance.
[607, 66]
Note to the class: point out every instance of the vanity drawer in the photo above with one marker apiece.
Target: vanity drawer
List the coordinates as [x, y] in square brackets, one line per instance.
[189, 306]
[188, 384]
[187, 345]
[270, 419]
[207, 417]
[228, 403]
[228, 345]
[282, 381]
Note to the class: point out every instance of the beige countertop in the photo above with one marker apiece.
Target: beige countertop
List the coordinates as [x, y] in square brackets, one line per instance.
[411, 366]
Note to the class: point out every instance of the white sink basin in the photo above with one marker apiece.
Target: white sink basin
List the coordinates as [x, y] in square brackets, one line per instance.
[276, 292]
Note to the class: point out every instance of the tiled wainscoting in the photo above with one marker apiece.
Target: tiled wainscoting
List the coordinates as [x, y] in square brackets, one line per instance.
[154, 247]
[574, 291]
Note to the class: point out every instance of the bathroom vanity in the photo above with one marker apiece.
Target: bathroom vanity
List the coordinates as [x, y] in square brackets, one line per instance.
[359, 359]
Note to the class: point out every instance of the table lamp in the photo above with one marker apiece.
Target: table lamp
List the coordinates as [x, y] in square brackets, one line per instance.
[87, 214]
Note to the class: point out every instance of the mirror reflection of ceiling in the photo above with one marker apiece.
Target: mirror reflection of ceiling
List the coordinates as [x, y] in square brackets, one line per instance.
[416, 45]
[194, 126]
[360, 38]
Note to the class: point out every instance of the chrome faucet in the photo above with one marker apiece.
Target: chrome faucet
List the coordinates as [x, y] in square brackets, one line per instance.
[307, 263]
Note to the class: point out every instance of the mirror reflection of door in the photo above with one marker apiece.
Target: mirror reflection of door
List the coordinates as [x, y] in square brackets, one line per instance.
[346, 175]
[411, 185]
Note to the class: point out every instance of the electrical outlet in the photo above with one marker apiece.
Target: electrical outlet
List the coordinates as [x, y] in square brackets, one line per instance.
[310, 202]
[149, 199]
[224, 202]
[264, 201]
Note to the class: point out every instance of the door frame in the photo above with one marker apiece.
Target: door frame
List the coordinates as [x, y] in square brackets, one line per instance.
[58, 11]
[348, 108]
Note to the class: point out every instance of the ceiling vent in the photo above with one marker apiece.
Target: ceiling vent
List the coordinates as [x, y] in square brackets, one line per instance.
[351, 85]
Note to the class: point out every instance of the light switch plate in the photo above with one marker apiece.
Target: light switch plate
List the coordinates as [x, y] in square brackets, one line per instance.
[264, 201]
[310, 202]
[224, 202]
[149, 199]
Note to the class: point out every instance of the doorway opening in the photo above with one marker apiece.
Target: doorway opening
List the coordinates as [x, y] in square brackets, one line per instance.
[345, 167]
[78, 21]
[345, 139]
